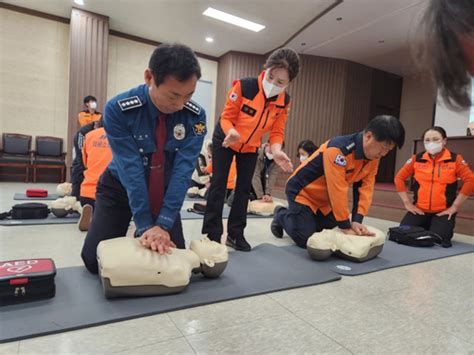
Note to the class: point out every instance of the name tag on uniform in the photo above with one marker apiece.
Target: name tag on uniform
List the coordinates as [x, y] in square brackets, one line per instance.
[248, 110]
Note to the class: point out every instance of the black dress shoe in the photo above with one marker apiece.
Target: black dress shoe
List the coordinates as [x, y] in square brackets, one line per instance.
[238, 243]
[275, 227]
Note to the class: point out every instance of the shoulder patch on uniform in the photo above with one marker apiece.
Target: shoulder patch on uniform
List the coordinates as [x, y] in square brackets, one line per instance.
[199, 128]
[409, 161]
[193, 107]
[233, 96]
[129, 103]
[340, 160]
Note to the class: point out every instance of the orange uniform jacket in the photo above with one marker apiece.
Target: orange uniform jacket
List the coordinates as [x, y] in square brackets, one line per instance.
[86, 117]
[436, 181]
[322, 181]
[232, 174]
[96, 155]
[252, 115]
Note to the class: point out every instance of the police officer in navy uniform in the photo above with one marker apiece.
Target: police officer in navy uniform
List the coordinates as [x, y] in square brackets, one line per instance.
[156, 133]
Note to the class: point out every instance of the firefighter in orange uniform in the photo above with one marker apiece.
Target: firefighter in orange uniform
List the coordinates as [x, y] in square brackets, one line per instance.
[96, 155]
[253, 107]
[89, 114]
[317, 191]
[435, 172]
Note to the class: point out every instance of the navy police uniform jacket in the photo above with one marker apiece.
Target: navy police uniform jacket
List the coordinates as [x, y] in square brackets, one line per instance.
[130, 121]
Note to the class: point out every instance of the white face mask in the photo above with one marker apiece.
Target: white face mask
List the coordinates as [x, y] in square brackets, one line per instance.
[93, 105]
[303, 158]
[269, 88]
[269, 156]
[433, 148]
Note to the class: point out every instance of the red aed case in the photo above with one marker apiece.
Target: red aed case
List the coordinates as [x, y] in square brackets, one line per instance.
[26, 280]
[36, 193]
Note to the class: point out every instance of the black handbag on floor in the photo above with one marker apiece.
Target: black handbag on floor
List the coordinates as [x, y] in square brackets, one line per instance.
[414, 236]
[29, 210]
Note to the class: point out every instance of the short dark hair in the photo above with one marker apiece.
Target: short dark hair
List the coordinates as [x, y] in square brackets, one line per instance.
[285, 58]
[176, 60]
[438, 129]
[308, 146]
[89, 98]
[387, 128]
[444, 21]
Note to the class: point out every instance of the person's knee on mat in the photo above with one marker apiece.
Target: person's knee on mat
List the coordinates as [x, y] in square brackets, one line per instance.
[90, 261]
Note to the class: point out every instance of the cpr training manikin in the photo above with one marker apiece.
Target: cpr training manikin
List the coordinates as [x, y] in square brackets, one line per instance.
[357, 248]
[127, 268]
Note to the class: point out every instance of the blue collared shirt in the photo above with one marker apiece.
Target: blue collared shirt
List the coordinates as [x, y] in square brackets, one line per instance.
[130, 121]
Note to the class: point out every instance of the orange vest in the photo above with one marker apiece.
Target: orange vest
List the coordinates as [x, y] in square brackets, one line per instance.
[252, 115]
[96, 155]
[86, 117]
[435, 184]
[322, 181]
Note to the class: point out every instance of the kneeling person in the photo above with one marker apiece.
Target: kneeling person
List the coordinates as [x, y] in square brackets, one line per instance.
[155, 133]
[317, 190]
[96, 156]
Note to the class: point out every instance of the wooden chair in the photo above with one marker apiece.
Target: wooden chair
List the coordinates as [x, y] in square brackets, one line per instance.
[49, 155]
[15, 154]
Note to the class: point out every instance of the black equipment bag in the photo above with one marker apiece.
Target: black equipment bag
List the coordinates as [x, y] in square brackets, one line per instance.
[29, 210]
[26, 280]
[414, 236]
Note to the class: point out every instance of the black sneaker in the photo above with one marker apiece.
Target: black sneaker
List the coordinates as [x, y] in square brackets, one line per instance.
[238, 243]
[275, 227]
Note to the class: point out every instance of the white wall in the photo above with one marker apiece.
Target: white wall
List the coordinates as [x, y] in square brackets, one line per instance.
[34, 71]
[128, 61]
[454, 122]
[416, 113]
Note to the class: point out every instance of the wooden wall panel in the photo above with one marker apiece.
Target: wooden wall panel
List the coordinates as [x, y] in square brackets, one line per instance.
[317, 102]
[357, 98]
[89, 34]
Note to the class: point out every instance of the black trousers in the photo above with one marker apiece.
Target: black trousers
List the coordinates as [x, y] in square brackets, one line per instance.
[111, 219]
[430, 221]
[86, 201]
[221, 161]
[300, 223]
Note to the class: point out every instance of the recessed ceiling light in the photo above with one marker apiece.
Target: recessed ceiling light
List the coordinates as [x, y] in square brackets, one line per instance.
[303, 43]
[209, 39]
[234, 20]
[381, 41]
[79, 2]
[339, 19]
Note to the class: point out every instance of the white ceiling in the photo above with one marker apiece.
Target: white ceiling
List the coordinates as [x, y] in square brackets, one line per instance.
[364, 23]
[356, 37]
[182, 20]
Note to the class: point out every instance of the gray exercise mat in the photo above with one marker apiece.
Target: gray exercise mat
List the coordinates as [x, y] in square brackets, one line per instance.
[394, 255]
[79, 301]
[52, 219]
[19, 196]
[225, 214]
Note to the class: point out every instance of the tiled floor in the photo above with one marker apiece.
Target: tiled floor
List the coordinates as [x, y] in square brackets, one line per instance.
[423, 308]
